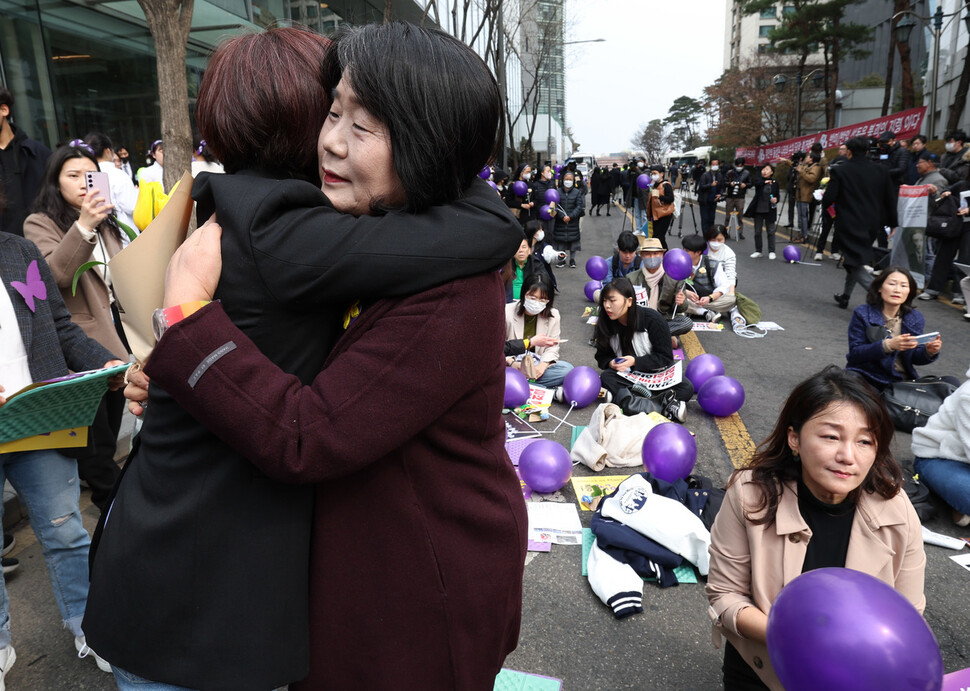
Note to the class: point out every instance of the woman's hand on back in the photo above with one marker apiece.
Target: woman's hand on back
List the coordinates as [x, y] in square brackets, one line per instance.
[195, 268]
[93, 209]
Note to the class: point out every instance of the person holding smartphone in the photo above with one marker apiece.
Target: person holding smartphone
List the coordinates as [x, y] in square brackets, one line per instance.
[72, 225]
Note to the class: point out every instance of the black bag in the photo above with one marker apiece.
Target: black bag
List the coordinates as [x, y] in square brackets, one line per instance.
[919, 496]
[944, 223]
[911, 403]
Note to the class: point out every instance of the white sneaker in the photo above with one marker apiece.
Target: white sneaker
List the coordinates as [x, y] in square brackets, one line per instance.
[836, 257]
[83, 650]
[868, 269]
[712, 316]
[772, 255]
[818, 256]
[7, 658]
[756, 255]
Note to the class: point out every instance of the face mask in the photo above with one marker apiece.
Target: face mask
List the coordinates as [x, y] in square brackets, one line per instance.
[539, 235]
[533, 306]
[652, 262]
[951, 147]
[715, 246]
[527, 176]
[639, 164]
[715, 168]
[739, 168]
[567, 183]
[655, 177]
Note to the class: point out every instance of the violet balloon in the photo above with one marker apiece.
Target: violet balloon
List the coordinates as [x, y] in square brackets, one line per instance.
[669, 452]
[721, 396]
[486, 173]
[597, 268]
[520, 188]
[545, 465]
[643, 181]
[545, 212]
[516, 388]
[552, 195]
[840, 629]
[590, 289]
[581, 386]
[702, 368]
[791, 254]
[493, 185]
[677, 264]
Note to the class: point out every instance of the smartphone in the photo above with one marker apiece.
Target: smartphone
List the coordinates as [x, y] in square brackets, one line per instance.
[926, 338]
[99, 180]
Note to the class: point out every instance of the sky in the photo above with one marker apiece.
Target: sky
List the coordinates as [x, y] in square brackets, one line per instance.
[654, 52]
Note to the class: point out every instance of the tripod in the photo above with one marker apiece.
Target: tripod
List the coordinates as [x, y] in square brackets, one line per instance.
[685, 197]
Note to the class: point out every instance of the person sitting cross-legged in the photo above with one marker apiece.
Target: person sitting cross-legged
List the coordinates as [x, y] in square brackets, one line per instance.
[708, 292]
[533, 315]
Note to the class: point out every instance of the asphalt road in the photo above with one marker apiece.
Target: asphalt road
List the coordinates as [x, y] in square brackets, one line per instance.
[567, 632]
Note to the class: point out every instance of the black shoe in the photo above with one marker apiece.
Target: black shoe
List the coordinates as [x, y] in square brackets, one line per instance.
[572, 265]
[9, 565]
[8, 544]
[842, 300]
[741, 236]
[607, 212]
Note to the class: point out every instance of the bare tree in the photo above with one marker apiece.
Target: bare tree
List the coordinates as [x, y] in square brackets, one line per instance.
[169, 22]
[653, 140]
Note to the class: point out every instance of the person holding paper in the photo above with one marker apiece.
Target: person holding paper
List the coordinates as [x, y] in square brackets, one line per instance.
[823, 490]
[71, 227]
[38, 342]
[533, 315]
[418, 544]
[635, 338]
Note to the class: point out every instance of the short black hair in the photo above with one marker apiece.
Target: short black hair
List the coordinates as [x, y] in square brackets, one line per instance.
[694, 243]
[739, 161]
[530, 229]
[921, 137]
[715, 230]
[857, 146]
[627, 242]
[6, 98]
[439, 101]
[874, 297]
[99, 142]
[957, 135]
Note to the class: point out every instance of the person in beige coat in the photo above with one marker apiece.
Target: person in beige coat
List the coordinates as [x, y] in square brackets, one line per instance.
[809, 175]
[822, 491]
[533, 315]
[70, 228]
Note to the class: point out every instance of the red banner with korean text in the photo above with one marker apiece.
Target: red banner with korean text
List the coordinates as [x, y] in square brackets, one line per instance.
[905, 124]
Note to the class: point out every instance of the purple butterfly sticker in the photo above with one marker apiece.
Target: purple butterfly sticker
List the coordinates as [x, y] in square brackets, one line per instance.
[33, 288]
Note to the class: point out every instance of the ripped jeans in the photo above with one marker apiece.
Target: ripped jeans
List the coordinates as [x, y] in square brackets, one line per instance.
[48, 486]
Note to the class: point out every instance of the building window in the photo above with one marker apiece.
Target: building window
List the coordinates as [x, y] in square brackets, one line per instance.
[764, 30]
[768, 13]
[788, 9]
[762, 48]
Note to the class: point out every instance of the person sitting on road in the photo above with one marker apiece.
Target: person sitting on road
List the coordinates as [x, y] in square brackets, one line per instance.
[522, 264]
[942, 450]
[708, 292]
[543, 254]
[533, 315]
[625, 258]
[717, 250]
[663, 293]
[823, 490]
[882, 332]
[630, 337]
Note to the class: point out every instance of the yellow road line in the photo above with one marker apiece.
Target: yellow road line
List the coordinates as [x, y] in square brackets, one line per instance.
[735, 435]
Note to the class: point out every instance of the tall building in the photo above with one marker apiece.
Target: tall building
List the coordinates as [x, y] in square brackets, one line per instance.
[543, 84]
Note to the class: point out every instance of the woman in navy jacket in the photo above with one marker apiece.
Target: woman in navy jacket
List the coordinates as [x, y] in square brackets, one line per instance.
[570, 208]
[882, 333]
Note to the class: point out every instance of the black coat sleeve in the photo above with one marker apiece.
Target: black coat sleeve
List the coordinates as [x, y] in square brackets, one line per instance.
[662, 355]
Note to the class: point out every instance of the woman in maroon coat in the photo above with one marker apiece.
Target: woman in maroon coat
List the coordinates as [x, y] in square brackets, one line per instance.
[419, 527]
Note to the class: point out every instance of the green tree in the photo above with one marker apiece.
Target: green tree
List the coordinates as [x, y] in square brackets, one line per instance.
[682, 118]
[652, 140]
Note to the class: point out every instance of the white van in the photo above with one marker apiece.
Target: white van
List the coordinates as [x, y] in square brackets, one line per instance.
[584, 163]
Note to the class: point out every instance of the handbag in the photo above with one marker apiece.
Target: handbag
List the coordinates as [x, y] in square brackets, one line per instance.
[911, 403]
[943, 222]
[658, 208]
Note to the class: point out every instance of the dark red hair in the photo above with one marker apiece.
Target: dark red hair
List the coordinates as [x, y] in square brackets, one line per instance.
[263, 101]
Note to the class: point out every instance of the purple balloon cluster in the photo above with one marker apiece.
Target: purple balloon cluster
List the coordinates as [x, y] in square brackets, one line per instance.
[717, 394]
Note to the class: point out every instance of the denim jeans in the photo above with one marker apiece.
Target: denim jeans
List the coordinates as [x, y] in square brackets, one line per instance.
[132, 682]
[48, 485]
[949, 479]
[554, 374]
[640, 217]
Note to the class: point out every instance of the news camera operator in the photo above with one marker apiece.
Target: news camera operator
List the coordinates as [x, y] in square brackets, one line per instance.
[736, 184]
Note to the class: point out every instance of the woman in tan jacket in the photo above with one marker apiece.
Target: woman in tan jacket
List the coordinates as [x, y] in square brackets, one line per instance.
[822, 491]
[809, 174]
[72, 227]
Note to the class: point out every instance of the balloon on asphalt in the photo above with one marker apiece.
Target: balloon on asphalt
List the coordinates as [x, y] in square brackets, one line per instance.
[721, 396]
[545, 465]
[791, 254]
[516, 388]
[840, 629]
[581, 386]
[677, 264]
[702, 368]
[597, 268]
[669, 452]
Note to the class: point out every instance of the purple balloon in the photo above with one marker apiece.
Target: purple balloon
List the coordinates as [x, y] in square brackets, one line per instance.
[955, 681]
[552, 195]
[669, 452]
[546, 212]
[516, 388]
[677, 264]
[702, 368]
[791, 254]
[597, 268]
[493, 185]
[590, 288]
[486, 173]
[840, 629]
[545, 465]
[557, 169]
[721, 396]
[643, 181]
[581, 386]
[520, 188]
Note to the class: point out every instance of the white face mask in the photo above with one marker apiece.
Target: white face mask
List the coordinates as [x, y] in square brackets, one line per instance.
[715, 168]
[539, 235]
[567, 183]
[715, 246]
[526, 176]
[950, 147]
[639, 164]
[533, 306]
[655, 177]
[739, 168]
